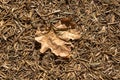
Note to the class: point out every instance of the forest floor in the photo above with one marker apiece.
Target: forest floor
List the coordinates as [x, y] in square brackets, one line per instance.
[96, 54]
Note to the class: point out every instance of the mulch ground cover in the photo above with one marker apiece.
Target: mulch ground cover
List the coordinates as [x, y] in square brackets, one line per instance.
[96, 55]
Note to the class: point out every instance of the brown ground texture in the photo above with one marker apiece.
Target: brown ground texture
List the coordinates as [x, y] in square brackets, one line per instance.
[96, 53]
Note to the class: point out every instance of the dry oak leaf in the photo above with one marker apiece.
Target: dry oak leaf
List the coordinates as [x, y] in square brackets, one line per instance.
[58, 42]
[51, 41]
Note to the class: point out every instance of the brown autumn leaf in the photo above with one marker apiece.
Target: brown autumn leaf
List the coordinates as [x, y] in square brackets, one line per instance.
[57, 42]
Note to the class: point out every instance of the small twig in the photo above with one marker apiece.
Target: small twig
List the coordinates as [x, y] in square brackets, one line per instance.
[113, 23]
[56, 11]
[67, 13]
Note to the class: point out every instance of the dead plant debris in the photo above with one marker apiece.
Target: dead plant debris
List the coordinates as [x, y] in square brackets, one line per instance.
[57, 43]
[55, 24]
